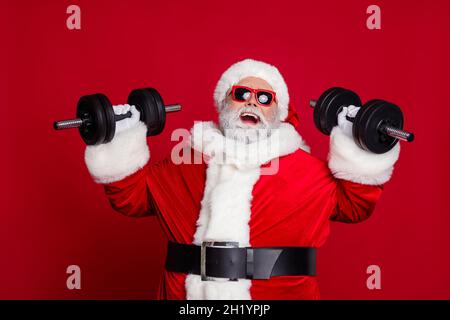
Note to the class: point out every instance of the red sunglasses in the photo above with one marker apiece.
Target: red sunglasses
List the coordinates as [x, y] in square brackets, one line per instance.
[263, 97]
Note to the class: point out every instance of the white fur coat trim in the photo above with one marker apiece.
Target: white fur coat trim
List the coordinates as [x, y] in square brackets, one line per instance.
[349, 162]
[209, 140]
[124, 155]
[233, 169]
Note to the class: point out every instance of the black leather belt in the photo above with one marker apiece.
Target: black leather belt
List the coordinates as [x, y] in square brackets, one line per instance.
[227, 260]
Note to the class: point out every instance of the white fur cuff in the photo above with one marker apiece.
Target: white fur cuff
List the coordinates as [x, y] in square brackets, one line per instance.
[124, 155]
[349, 162]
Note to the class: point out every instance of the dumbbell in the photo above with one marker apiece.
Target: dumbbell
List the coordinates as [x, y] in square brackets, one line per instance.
[96, 120]
[377, 126]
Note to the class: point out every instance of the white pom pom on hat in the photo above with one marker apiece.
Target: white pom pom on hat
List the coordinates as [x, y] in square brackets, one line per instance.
[253, 68]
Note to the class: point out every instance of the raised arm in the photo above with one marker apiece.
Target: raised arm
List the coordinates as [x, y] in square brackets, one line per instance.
[121, 166]
[360, 175]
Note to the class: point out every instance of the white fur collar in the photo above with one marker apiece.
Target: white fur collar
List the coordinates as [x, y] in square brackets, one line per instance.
[209, 140]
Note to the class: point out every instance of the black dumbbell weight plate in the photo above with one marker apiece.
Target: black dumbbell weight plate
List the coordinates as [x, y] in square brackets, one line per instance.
[151, 107]
[92, 109]
[368, 122]
[318, 109]
[330, 104]
[109, 119]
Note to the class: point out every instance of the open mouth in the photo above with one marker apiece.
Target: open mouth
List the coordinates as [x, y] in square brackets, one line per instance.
[249, 118]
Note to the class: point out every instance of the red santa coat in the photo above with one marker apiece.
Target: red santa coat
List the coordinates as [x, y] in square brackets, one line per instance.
[293, 207]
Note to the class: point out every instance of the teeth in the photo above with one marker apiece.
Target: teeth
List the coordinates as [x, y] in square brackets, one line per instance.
[250, 114]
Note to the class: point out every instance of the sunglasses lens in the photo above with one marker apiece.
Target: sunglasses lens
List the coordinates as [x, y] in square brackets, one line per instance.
[264, 97]
[242, 94]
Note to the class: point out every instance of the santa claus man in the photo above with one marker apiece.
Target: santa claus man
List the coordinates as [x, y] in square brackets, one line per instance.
[233, 232]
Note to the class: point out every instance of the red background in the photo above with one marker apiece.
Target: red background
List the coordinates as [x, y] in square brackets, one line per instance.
[52, 213]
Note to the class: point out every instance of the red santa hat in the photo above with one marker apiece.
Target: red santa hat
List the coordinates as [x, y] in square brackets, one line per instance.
[252, 68]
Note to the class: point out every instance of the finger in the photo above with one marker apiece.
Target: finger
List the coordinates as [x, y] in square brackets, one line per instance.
[352, 110]
[126, 108]
[341, 115]
[344, 111]
[134, 112]
[118, 109]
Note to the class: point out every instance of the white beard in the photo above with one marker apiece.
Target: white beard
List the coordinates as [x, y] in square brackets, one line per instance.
[231, 125]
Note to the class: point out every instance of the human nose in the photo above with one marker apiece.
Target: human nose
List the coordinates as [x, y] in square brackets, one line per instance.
[252, 100]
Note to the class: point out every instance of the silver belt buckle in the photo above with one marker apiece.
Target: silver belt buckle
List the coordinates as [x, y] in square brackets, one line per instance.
[206, 244]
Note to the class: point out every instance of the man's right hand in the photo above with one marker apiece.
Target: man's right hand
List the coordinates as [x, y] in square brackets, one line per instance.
[127, 123]
[345, 125]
